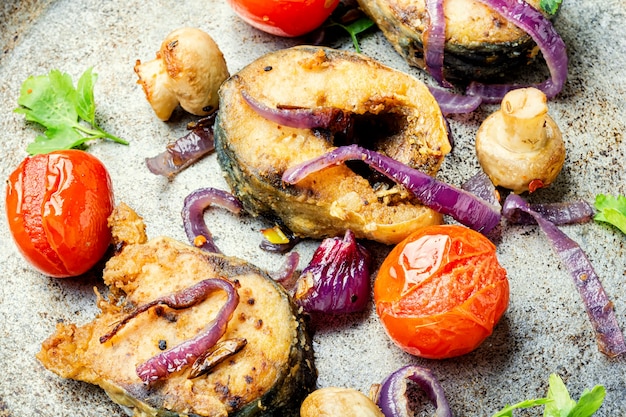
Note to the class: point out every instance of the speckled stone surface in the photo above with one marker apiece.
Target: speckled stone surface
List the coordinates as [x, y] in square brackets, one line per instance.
[545, 329]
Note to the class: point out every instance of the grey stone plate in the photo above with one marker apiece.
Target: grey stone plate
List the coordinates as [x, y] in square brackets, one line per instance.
[545, 329]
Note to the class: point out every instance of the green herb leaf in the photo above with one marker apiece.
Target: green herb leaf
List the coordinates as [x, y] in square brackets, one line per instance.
[589, 402]
[85, 102]
[611, 210]
[562, 403]
[550, 6]
[53, 102]
[355, 28]
[558, 402]
[508, 410]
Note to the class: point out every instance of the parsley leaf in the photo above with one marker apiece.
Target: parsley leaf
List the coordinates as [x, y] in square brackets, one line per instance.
[558, 402]
[611, 210]
[355, 28]
[53, 102]
[550, 6]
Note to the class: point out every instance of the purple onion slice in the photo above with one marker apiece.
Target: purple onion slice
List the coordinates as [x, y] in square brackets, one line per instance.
[434, 40]
[598, 306]
[530, 20]
[331, 118]
[439, 196]
[184, 354]
[452, 103]
[392, 398]
[572, 212]
[285, 275]
[193, 215]
[185, 150]
[481, 186]
[337, 280]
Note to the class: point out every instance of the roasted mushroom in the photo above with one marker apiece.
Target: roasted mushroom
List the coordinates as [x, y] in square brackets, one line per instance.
[333, 402]
[188, 70]
[520, 146]
[367, 102]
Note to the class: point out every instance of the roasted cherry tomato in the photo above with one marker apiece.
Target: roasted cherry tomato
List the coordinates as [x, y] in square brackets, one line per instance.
[440, 292]
[57, 207]
[284, 17]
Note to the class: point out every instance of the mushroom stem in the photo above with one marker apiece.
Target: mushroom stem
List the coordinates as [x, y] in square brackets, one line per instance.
[524, 117]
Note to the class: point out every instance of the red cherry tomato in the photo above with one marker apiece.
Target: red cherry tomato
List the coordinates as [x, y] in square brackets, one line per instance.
[284, 17]
[440, 292]
[57, 207]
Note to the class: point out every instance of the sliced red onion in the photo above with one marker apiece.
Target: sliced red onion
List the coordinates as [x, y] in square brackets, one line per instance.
[439, 196]
[184, 354]
[481, 186]
[337, 280]
[557, 213]
[541, 30]
[185, 150]
[392, 398]
[193, 215]
[452, 103]
[598, 306]
[331, 118]
[286, 274]
[434, 40]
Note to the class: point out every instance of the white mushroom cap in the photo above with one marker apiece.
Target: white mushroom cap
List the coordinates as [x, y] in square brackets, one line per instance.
[188, 70]
[521, 143]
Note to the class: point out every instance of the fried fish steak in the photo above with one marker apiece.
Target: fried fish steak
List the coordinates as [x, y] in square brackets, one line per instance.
[270, 376]
[394, 114]
[480, 43]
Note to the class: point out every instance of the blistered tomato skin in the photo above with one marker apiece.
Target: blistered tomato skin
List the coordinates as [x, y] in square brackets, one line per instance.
[57, 206]
[286, 18]
[441, 291]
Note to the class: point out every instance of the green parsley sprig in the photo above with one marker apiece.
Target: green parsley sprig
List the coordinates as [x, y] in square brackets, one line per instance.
[558, 402]
[67, 113]
[550, 6]
[611, 210]
[355, 28]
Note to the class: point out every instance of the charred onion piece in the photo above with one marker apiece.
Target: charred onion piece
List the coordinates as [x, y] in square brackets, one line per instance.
[557, 213]
[286, 273]
[392, 398]
[599, 308]
[185, 150]
[434, 40]
[481, 186]
[530, 20]
[333, 119]
[444, 198]
[193, 215]
[451, 103]
[182, 355]
[337, 280]
[217, 354]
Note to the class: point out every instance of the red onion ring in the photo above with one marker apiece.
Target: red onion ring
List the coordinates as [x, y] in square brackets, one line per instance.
[439, 196]
[452, 103]
[573, 212]
[287, 271]
[598, 306]
[392, 398]
[185, 150]
[541, 30]
[434, 40]
[184, 354]
[519, 13]
[481, 186]
[331, 118]
[193, 215]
